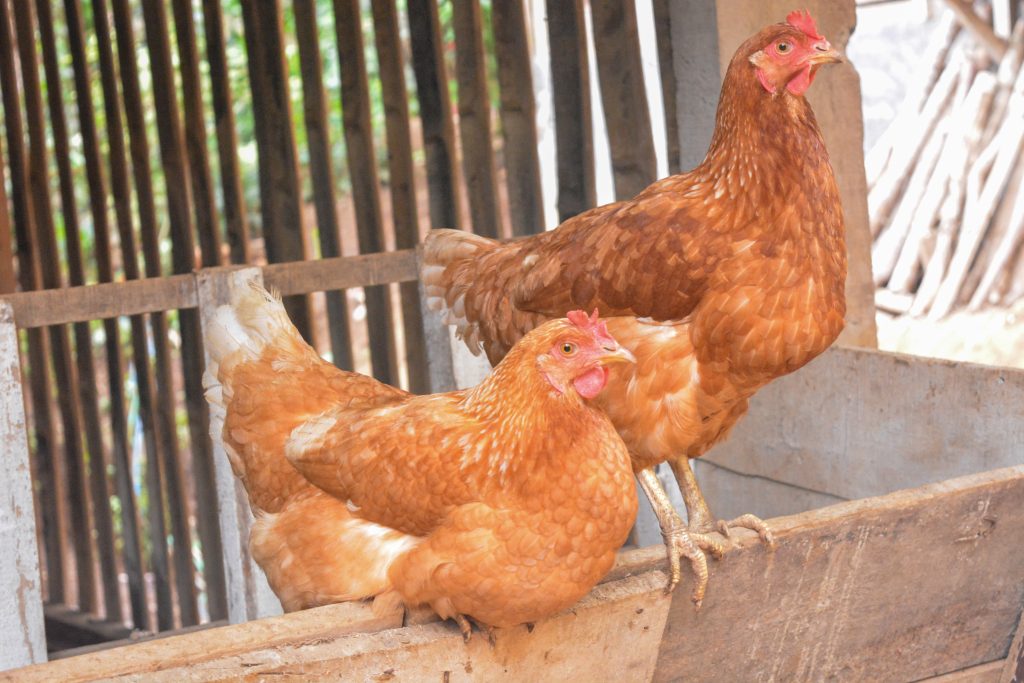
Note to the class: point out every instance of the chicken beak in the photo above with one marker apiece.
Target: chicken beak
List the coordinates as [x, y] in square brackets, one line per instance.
[824, 53]
[617, 356]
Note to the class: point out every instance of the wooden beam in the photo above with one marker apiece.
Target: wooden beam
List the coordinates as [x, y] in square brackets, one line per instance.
[67, 627]
[979, 28]
[177, 292]
[1012, 670]
[850, 591]
[22, 640]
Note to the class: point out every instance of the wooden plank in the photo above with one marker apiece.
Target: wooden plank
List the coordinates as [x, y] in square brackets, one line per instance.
[68, 626]
[88, 398]
[22, 640]
[1012, 669]
[438, 343]
[362, 163]
[663, 35]
[163, 444]
[478, 166]
[236, 220]
[570, 76]
[178, 654]
[851, 591]
[177, 292]
[834, 428]
[983, 673]
[8, 279]
[435, 112]
[518, 118]
[318, 139]
[634, 165]
[402, 182]
[38, 352]
[280, 200]
[64, 372]
[248, 595]
[204, 209]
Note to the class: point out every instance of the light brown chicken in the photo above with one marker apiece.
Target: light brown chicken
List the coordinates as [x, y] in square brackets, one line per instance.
[504, 503]
[718, 280]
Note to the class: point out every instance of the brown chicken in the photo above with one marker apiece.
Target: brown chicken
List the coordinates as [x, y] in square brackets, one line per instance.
[718, 280]
[504, 503]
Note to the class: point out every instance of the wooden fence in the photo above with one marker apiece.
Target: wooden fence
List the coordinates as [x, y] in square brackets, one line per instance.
[130, 139]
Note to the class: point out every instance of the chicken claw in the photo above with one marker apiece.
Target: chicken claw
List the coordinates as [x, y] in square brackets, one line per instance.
[466, 627]
[679, 541]
[748, 521]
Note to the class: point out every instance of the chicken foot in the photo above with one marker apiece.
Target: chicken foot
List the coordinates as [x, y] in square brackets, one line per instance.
[679, 540]
[466, 627]
[699, 518]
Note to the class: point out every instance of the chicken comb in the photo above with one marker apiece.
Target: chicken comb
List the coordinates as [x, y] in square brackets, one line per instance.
[802, 20]
[590, 323]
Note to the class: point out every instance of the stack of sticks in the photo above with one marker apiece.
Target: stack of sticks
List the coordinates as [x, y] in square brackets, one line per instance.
[946, 179]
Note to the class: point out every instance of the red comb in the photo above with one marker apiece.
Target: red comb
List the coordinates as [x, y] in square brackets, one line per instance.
[591, 324]
[802, 20]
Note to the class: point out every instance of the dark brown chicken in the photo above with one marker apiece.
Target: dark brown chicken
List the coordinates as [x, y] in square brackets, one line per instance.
[718, 280]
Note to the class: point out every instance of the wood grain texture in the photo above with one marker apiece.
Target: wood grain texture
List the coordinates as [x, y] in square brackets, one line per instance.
[1012, 670]
[858, 423]
[900, 587]
[851, 593]
[22, 640]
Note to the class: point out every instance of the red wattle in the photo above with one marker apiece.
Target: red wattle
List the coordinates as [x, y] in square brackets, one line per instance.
[799, 84]
[591, 382]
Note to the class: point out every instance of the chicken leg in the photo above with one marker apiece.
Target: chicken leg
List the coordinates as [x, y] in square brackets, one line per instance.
[679, 540]
[699, 518]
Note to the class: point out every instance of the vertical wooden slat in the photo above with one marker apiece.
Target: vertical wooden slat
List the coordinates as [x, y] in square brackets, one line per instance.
[235, 219]
[475, 118]
[207, 226]
[87, 394]
[8, 280]
[21, 630]
[435, 112]
[362, 164]
[63, 368]
[570, 78]
[166, 438]
[634, 165]
[176, 178]
[280, 200]
[38, 343]
[403, 187]
[518, 118]
[663, 33]
[318, 139]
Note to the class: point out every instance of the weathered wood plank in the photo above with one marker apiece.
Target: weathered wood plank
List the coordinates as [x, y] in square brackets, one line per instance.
[435, 113]
[518, 118]
[475, 119]
[22, 640]
[248, 595]
[634, 165]
[1012, 670]
[280, 199]
[663, 34]
[362, 163]
[834, 428]
[983, 673]
[65, 375]
[570, 73]
[88, 398]
[38, 351]
[403, 185]
[314, 102]
[236, 220]
[852, 590]
[8, 279]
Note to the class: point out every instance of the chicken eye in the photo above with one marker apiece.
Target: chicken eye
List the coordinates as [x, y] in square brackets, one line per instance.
[568, 349]
[783, 47]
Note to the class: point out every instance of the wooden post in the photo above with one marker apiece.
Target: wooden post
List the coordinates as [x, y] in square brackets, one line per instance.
[438, 344]
[663, 34]
[22, 640]
[248, 594]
